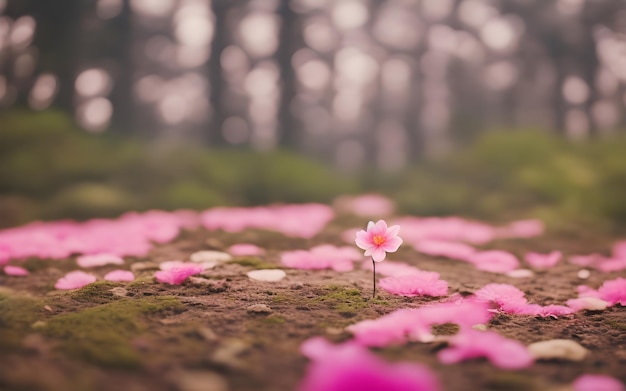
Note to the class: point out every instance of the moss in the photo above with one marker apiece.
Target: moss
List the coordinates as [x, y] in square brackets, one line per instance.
[445, 329]
[96, 293]
[616, 325]
[256, 263]
[346, 301]
[143, 281]
[101, 334]
[17, 314]
[272, 319]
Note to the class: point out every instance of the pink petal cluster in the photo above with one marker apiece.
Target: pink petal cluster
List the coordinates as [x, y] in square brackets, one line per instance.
[509, 299]
[120, 276]
[495, 261]
[392, 269]
[130, 235]
[502, 352]
[325, 256]
[439, 248]
[15, 271]
[611, 291]
[95, 260]
[591, 382]
[410, 324]
[522, 229]
[378, 240]
[349, 367]
[366, 205]
[245, 249]
[176, 274]
[420, 283]
[74, 280]
[600, 262]
[451, 229]
[543, 261]
[304, 220]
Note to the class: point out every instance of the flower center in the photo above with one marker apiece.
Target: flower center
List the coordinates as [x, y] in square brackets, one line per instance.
[378, 239]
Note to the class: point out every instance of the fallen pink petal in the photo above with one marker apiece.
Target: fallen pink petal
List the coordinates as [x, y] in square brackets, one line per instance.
[591, 382]
[96, 260]
[349, 367]
[501, 352]
[415, 284]
[543, 261]
[176, 275]
[440, 248]
[245, 249]
[120, 275]
[74, 280]
[17, 271]
[495, 261]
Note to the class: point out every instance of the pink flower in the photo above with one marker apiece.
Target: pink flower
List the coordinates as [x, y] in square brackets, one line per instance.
[597, 383]
[177, 274]
[99, 260]
[416, 284]
[245, 249]
[502, 352]
[378, 240]
[495, 261]
[349, 367]
[74, 280]
[15, 271]
[120, 275]
[543, 261]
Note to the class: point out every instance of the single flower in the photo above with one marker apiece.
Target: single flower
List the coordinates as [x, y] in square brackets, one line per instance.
[378, 240]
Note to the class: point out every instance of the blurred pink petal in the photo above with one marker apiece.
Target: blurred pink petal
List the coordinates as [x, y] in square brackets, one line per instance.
[445, 249]
[587, 303]
[245, 249]
[502, 352]
[99, 260]
[15, 271]
[168, 265]
[543, 261]
[585, 260]
[522, 229]
[120, 275]
[391, 269]
[415, 284]
[502, 297]
[495, 261]
[452, 229]
[591, 382]
[177, 274]
[74, 280]
[349, 367]
[613, 291]
[619, 250]
[324, 256]
[554, 311]
[608, 265]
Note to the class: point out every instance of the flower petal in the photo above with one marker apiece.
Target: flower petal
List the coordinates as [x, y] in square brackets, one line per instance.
[378, 255]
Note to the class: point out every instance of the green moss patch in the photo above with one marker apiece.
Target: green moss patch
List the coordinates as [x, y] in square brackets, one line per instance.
[102, 334]
[254, 262]
[17, 314]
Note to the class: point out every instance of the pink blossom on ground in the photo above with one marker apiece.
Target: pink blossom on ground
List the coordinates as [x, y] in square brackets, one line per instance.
[412, 324]
[543, 261]
[599, 262]
[586, 291]
[324, 256]
[15, 271]
[589, 382]
[553, 311]
[495, 261]
[441, 248]
[177, 274]
[74, 280]
[378, 240]
[452, 229]
[522, 229]
[168, 265]
[367, 205]
[502, 297]
[416, 284]
[619, 249]
[120, 275]
[349, 367]
[392, 269]
[502, 352]
[585, 260]
[614, 291]
[245, 249]
[99, 260]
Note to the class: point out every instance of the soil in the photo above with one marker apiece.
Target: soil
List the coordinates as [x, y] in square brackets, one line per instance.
[203, 335]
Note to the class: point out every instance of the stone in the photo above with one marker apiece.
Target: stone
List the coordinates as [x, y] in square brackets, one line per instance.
[520, 273]
[259, 309]
[199, 381]
[119, 291]
[210, 257]
[228, 353]
[207, 334]
[267, 275]
[558, 349]
[141, 266]
[583, 274]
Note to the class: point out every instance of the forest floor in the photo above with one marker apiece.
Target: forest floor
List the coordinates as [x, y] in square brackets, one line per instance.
[210, 334]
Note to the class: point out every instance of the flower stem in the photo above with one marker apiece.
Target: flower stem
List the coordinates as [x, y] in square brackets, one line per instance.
[374, 279]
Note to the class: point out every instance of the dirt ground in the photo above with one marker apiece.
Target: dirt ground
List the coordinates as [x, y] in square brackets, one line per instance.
[205, 334]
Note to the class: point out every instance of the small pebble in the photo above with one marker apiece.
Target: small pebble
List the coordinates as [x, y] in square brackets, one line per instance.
[520, 273]
[228, 354]
[207, 334]
[259, 309]
[210, 256]
[583, 274]
[199, 381]
[119, 291]
[268, 275]
[560, 349]
[48, 308]
[140, 266]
